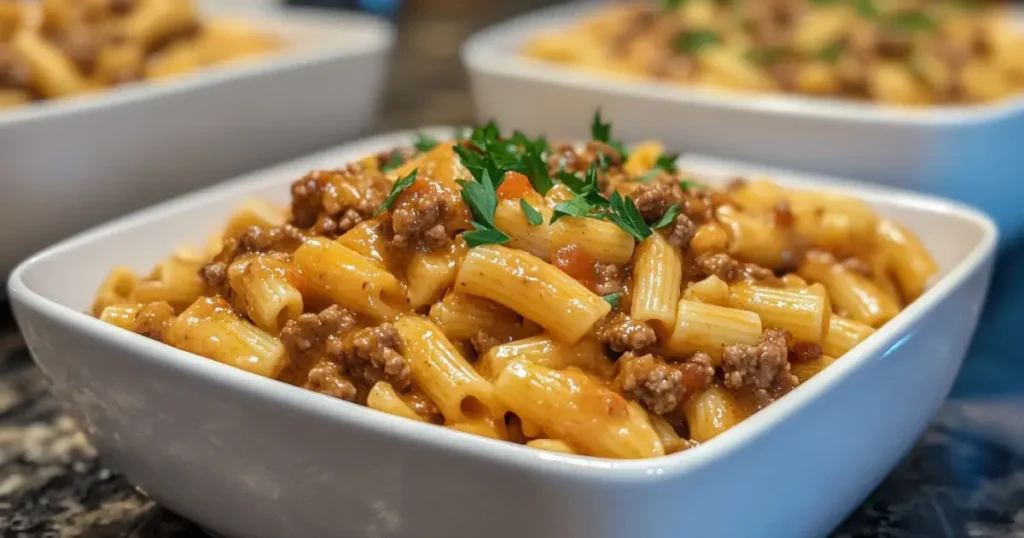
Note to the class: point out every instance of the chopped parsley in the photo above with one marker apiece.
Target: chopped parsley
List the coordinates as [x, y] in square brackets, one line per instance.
[396, 189]
[689, 184]
[666, 162]
[482, 198]
[668, 218]
[694, 41]
[912, 21]
[395, 159]
[532, 215]
[765, 56]
[602, 132]
[830, 53]
[866, 8]
[613, 298]
[624, 213]
[425, 142]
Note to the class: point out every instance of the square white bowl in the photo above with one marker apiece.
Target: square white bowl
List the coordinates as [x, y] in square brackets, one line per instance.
[69, 164]
[969, 153]
[246, 456]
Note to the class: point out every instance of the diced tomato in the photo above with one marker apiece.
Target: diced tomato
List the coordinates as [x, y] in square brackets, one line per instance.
[515, 186]
[573, 261]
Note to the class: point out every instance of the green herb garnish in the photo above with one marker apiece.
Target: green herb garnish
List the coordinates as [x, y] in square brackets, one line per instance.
[765, 56]
[395, 159]
[532, 215]
[613, 298]
[482, 198]
[602, 132]
[624, 213]
[866, 8]
[668, 218]
[694, 41]
[666, 162]
[689, 184]
[672, 4]
[912, 21]
[831, 53]
[425, 142]
[396, 189]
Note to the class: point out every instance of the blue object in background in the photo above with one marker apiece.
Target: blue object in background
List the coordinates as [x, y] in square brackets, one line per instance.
[386, 8]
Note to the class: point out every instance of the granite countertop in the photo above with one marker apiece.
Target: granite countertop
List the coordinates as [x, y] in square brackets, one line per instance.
[965, 477]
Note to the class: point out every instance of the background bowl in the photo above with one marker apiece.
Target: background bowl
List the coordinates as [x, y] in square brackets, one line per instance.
[246, 456]
[69, 164]
[969, 153]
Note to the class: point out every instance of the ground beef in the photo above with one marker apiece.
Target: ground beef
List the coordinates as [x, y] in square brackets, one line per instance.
[326, 378]
[720, 265]
[894, 43]
[308, 337]
[762, 369]
[609, 278]
[564, 158]
[121, 7]
[654, 198]
[651, 381]
[331, 202]
[682, 231]
[371, 355]
[660, 386]
[419, 220]
[152, 319]
[805, 352]
[215, 274]
[595, 150]
[621, 333]
[285, 238]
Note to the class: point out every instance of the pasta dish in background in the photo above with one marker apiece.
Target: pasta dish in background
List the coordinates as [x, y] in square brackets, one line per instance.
[585, 299]
[908, 52]
[58, 48]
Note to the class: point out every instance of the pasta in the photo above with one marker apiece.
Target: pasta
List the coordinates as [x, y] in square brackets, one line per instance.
[59, 48]
[601, 306]
[888, 51]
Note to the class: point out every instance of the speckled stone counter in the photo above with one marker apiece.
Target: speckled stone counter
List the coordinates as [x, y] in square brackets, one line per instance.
[964, 478]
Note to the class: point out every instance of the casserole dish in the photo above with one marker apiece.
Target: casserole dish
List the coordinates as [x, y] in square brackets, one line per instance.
[246, 456]
[969, 153]
[99, 156]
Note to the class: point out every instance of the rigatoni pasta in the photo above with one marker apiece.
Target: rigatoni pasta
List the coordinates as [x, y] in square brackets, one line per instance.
[579, 299]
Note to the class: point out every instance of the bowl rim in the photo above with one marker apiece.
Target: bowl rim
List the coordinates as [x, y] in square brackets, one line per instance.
[323, 407]
[483, 52]
[375, 35]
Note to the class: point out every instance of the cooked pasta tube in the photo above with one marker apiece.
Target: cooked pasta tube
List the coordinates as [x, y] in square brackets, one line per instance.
[533, 288]
[156, 20]
[707, 328]
[175, 280]
[268, 288]
[603, 241]
[483, 427]
[348, 279]
[368, 239]
[669, 437]
[852, 294]
[536, 240]
[441, 372]
[712, 413]
[117, 288]
[806, 370]
[657, 279]
[911, 264]
[211, 328]
[754, 239]
[121, 315]
[551, 445]
[587, 354]
[804, 315]
[711, 290]
[429, 274]
[254, 212]
[573, 406]
[383, 397]
[461, 317]
[843, 334]
[54, 73]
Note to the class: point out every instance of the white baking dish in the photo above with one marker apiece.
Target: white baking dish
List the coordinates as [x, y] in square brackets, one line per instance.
[66, 165]
[246, 456]
[972, 154]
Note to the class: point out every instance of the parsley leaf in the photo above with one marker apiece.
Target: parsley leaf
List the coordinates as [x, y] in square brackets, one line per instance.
[599, 131]
[578, 206]
[689, 184]
[666, 162]
[570, 180]
[395, 159]
[695, 40]
[613, 298]
[425, 142]
[830, 53]
[396, 189]
[765, 56]
[624, 213]
[483, 235]
[482, 198]
[668, 218]
[532, 215]
[536, 169]
[866, 8]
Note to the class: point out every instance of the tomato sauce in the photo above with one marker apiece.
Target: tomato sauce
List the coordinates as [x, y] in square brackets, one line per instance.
[514, 186]
[573, 261]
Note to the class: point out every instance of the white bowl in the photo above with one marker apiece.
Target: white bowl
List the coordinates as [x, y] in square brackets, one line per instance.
[246, 456]
[69, 164]
[972, 154]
